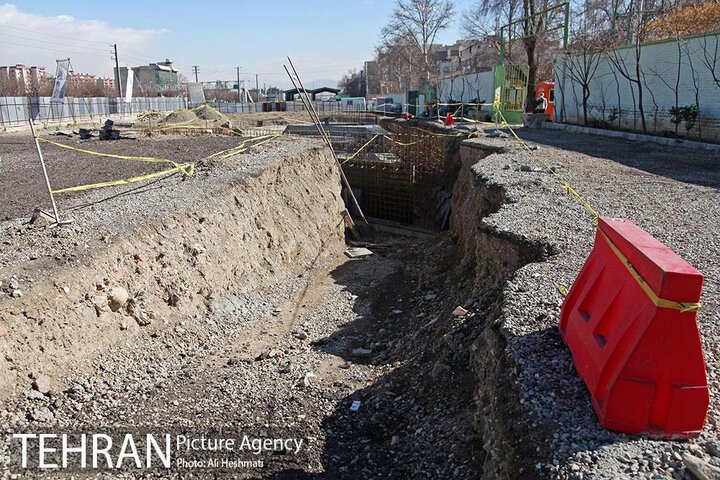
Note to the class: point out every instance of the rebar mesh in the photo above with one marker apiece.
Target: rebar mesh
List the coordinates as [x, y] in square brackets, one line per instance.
[396, 176]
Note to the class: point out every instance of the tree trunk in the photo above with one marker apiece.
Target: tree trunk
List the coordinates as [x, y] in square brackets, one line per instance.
[532, 74]
[638, 74]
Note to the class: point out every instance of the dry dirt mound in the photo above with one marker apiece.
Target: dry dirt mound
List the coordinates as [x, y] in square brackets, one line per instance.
[208, 113]
[199, 116]
[179, 116]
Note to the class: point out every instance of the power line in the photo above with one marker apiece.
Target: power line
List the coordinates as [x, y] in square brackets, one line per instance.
[53, 49]
[35, 32]
[55, 43]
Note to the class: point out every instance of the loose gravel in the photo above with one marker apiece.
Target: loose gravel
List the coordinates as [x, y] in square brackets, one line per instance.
[667, 192]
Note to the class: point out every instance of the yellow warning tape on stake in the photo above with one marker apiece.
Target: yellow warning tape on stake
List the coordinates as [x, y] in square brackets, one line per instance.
[186, 167]
[119, 157]
[659, 302]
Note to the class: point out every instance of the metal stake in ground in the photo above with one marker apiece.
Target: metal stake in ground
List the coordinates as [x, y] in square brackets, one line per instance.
[323, 134]
[47, 179]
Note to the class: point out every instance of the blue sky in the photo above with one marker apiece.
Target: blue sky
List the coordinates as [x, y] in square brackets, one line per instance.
[324, 38]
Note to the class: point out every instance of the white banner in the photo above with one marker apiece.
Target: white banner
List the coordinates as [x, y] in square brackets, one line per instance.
[196, 93]
[61, 77]
[129, 85]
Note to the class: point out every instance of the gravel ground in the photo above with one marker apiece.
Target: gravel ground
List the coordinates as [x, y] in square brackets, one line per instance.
[285, 361]
[289, 362]
[664, 190]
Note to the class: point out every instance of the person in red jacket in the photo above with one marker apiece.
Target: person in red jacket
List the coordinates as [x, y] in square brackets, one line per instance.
[449, 120]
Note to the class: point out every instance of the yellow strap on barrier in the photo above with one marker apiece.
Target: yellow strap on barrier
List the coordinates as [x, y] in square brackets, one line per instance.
[659, 302]
[360, 150]
[120, 157]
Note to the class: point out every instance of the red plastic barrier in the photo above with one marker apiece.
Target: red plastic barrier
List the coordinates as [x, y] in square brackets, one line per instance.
[638, 349]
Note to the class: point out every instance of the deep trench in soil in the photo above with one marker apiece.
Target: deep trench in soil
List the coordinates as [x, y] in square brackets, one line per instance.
[366, 360]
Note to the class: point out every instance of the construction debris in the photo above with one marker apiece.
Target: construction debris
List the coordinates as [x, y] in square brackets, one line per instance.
[107, 132]
[358, 252]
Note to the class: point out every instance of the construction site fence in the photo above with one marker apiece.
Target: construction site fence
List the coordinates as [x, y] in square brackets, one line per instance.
[17, 111]
[283, 106]
[679, 81]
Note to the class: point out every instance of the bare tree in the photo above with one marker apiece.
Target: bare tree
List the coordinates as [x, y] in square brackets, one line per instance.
[582, 63]
[10, 87]
[484, 19]
[352, 84]
[397, 66]
[711, 58]
[532, 29]
[418, 22]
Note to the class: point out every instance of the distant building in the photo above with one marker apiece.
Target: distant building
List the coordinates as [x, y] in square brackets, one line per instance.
[106, 83]
[478, 55]
[79, 79]
[23, 75]
[153, 79]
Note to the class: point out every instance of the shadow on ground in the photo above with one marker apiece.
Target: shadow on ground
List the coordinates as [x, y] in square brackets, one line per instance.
[677, 163]
[417, 419]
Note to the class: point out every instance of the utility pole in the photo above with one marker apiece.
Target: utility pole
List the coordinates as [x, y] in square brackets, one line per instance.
[117, 72]
[196, 69]
[257, 87]
[238, 82]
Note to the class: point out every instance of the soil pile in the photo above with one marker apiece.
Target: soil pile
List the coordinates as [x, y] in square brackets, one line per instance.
[202, 116]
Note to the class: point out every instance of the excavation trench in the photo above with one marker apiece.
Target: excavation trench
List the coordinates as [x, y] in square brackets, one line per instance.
[245, 317]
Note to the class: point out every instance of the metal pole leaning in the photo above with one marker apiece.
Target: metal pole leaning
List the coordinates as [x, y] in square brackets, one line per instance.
[323, 133]
[47, 179]
[328, 142]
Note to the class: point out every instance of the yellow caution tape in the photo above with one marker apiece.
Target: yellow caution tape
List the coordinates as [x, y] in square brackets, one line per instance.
[360, 150]
[187, 169]
[243, 146]
[654, 298]
[270, 137]
[566, 185]
[119, 157]
[659, 302]
[400, 143]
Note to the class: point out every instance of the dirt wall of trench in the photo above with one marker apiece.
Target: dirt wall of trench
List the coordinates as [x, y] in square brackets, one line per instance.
[240, 236]
[490, 257]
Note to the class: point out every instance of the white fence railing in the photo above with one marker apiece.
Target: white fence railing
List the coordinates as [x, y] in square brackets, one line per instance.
[16, 111]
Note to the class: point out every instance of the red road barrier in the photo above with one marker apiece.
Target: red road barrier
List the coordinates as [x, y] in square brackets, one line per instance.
[630, 322]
